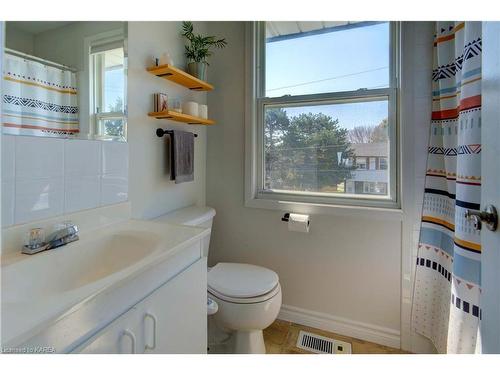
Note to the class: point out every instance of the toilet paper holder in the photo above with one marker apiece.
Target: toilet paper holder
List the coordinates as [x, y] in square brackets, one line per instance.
[286, 217]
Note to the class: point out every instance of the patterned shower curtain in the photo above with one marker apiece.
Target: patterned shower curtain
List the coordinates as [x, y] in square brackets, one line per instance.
[447, 290]
[38, 99]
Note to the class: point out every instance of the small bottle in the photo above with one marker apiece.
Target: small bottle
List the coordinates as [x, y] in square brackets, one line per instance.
[174, 104]
[166, 59]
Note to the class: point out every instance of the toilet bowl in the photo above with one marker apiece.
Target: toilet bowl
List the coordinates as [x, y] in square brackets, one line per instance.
[247, 297]
[249, 300]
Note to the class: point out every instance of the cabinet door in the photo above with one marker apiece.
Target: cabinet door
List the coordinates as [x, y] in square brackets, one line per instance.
[123, 335]
[174, 317]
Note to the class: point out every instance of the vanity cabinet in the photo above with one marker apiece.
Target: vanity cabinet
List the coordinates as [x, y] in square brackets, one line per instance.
[172, 319]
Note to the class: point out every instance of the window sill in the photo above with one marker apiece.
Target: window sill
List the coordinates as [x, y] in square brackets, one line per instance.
[379, 213]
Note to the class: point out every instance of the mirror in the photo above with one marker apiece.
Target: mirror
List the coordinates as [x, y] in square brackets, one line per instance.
[65, 79]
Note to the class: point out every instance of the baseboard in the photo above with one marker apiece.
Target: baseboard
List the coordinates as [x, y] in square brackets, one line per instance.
[342, 326]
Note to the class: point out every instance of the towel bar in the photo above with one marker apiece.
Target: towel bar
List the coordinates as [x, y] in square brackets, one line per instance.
[160, 132]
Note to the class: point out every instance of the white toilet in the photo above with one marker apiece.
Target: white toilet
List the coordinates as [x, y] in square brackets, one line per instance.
[248, 296]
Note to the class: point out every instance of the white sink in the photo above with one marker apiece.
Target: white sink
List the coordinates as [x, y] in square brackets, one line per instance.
[76, 265]
[39, 288]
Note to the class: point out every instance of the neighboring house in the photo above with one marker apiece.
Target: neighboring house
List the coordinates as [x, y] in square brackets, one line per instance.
[371, 175]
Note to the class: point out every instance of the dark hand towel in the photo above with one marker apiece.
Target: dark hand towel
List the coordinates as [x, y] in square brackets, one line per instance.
[182, 156]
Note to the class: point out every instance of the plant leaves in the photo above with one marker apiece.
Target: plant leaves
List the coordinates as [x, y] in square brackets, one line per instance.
[199, 46]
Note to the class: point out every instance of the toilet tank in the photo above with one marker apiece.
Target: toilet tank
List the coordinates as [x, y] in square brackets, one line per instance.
[193, 216]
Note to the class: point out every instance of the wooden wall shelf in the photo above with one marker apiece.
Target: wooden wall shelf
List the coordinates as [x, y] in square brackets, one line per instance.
[181, 117]
[180, 77]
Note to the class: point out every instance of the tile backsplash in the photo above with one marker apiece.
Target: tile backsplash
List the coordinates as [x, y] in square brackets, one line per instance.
[46, 177]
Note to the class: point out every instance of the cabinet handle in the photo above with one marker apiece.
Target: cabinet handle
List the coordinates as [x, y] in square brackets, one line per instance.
[132, 339]
[153, 318]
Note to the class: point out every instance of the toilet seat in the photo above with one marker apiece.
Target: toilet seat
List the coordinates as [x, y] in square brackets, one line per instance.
[242, 283]
[248, 300]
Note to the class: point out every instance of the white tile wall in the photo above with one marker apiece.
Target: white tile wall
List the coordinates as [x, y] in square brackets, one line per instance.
[113, 159]
[114, 185]
[7, 203]
[39, 157]
[46, 177]
[82, 192]
[8, 151]
[114, 189]
[82, 158]
[8, 177]
[38, 198]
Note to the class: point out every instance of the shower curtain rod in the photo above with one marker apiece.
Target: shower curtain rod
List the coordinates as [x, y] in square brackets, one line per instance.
[39, 59]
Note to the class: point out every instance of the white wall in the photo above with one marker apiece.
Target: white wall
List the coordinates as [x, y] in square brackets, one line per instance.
[417, 107]
[151, 191]
[65, 45]
[18, 39]
[347, 269]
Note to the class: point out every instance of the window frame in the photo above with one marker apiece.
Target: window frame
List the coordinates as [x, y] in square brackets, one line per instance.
[255, 195]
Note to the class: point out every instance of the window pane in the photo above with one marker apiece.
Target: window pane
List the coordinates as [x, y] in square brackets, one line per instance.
[112, 127]
[327, 148]
[114, 81]
[383, 163]
[320, 57]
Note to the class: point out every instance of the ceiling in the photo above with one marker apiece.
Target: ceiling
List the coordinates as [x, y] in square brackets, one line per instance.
[37, 27]
[279, 30]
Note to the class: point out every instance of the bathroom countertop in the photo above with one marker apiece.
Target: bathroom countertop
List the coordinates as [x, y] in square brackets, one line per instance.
[42, 289]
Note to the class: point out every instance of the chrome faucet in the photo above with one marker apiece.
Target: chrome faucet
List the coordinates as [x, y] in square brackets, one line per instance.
[60, 237]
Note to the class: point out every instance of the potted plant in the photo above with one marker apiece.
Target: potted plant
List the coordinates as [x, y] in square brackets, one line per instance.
[198, 50]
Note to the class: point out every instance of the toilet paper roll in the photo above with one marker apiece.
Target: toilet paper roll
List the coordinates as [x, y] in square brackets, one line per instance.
[298, 223]
[190, 108]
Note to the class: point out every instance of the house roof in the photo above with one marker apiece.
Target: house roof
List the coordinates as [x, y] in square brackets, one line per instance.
[370, 149]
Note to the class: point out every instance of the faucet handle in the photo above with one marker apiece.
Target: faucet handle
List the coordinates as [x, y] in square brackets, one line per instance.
[62, 225]
[34, 241]
[35, 238]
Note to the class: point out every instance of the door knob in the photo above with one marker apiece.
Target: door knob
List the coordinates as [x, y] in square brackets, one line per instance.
[489, 216]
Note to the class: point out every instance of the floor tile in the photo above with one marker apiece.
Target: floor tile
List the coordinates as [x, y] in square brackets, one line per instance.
[281, 337]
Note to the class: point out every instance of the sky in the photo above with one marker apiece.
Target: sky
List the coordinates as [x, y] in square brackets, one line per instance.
[114, 80]
[344, 60]
[114, 86]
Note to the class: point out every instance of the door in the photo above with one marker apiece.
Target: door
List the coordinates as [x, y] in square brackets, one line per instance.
[122, 336]
[171, 320]
[490, 189]
[174, 317]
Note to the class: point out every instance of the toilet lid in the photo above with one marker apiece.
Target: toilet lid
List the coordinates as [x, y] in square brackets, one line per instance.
[241, 280]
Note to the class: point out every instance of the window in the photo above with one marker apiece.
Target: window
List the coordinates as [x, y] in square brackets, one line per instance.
[383, 163]
[323, 113]
[360, 162]
[370, 187]
[373, 163]
[108, 87]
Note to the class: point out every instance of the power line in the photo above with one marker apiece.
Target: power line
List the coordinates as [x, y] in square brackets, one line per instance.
[328, 79]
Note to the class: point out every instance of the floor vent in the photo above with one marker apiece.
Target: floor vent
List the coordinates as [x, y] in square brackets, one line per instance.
[321, 344]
